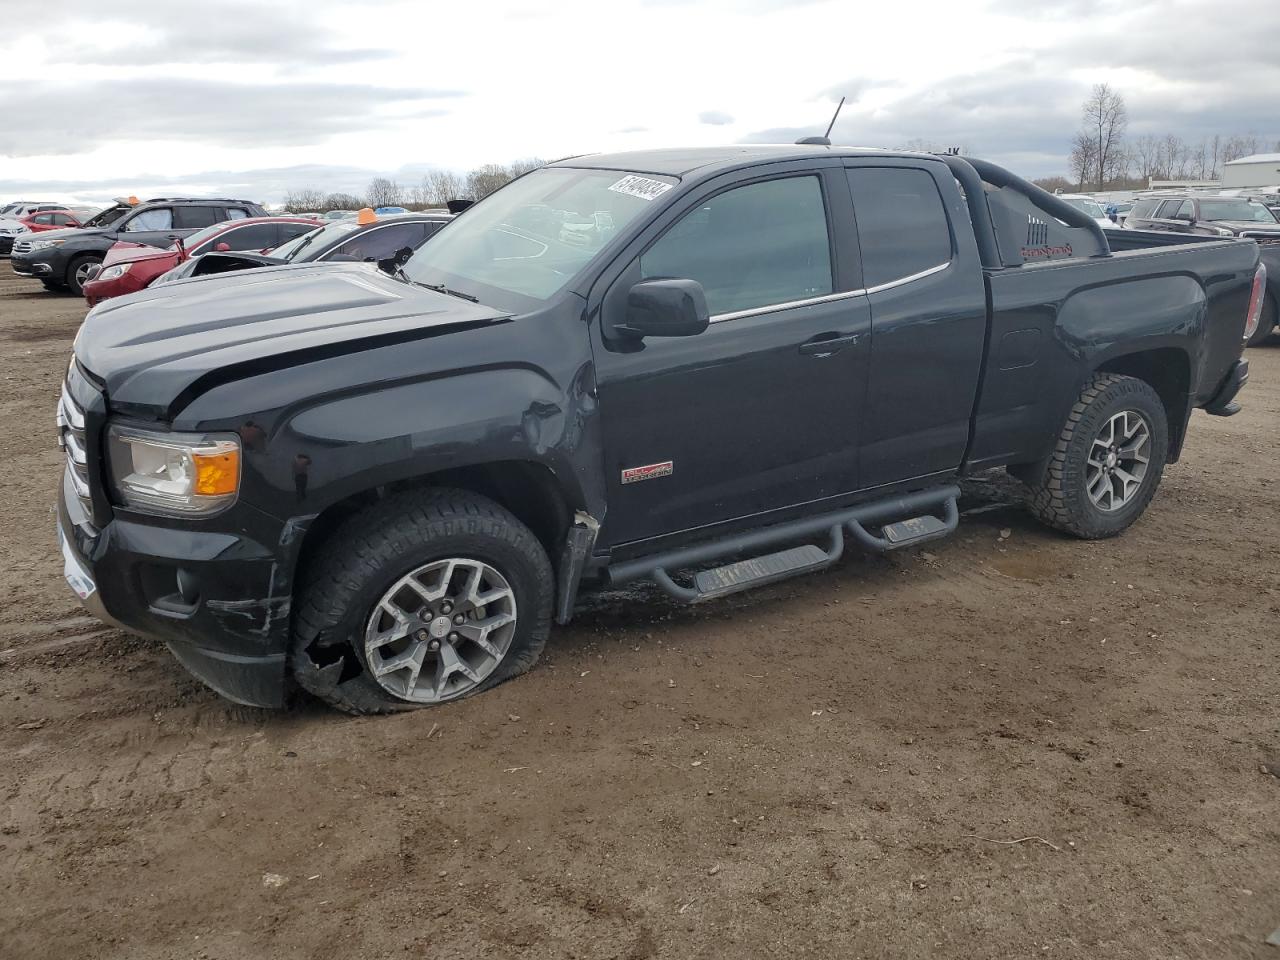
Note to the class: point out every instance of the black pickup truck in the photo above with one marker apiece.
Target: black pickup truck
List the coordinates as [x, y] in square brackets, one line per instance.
[384, 489]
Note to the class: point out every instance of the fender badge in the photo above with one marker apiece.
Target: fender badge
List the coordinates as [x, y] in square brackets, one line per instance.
[648, 472]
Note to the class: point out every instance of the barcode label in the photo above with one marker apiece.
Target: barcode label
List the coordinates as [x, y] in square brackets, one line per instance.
[642, 187]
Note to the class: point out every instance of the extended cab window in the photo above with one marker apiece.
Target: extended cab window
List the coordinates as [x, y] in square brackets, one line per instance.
[753, 246]
[902, 225]
[161, 218]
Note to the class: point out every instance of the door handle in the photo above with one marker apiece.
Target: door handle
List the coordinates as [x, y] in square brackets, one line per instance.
[825, 344]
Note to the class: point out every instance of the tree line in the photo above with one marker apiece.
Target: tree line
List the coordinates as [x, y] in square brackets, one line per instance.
[1103, 158]
[434, 190]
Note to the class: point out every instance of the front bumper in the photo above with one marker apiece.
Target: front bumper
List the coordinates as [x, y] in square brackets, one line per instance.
[6, 244]
[95, 291]
[214, 598]
[27, 265]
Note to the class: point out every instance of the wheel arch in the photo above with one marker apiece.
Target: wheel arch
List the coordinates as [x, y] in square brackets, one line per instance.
[1168, 371]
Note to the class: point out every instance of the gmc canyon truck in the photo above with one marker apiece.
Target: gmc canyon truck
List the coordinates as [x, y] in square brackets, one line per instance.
[710, 369]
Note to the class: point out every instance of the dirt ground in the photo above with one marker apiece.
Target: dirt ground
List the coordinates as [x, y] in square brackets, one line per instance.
[844, 765]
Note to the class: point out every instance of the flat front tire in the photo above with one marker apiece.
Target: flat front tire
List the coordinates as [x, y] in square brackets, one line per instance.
[1108, 459]
[424, 598]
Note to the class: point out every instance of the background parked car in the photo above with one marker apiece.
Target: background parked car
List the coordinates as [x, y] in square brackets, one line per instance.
[64, 258]
[339, 214]
[337, 240]
[129, 267]
[1220, 217]
[15, 219]
[1090, 206]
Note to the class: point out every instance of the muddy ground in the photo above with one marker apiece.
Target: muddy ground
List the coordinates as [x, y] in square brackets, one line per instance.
[837, 766]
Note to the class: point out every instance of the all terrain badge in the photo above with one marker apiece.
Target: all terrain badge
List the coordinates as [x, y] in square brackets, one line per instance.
[648, 472]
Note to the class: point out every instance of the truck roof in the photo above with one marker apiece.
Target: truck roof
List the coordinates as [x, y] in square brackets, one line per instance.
[680, 162]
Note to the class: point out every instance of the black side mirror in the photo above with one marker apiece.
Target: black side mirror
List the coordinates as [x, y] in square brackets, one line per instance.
[665, 308]
[398, 259]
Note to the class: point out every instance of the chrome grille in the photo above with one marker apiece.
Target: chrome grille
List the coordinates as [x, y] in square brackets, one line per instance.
[1259, 235]
[72, 441]
[22, 246]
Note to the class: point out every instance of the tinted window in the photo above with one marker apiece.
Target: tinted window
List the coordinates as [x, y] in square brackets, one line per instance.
[1167, 209]
[290, 230]
[62, 219]
[750, 247]
[902, 225]
[160, 218]
[381, 242]
[42, 218]
[193, 218]
[255, 236]
[1143, 209]
[236, 213]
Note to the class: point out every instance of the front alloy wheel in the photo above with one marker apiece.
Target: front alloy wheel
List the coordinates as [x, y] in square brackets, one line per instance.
[441, 630]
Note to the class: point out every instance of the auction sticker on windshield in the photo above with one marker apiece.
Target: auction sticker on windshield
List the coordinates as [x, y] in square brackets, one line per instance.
[641, 187]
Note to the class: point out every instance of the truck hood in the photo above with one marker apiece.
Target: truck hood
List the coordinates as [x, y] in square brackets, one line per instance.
[71, 233]
[156, 350]
[1252, 226]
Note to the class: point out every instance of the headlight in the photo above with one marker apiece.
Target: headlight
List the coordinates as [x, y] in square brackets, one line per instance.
[1221, 232]
[41, 244]
[180, 474]
[114, 272]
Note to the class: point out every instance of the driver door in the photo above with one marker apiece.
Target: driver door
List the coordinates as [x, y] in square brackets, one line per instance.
[761, 410]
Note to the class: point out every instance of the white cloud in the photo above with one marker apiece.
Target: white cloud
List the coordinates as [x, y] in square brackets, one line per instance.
[127, 92]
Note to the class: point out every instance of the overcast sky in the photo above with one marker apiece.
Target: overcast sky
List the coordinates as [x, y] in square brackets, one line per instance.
[246, 97]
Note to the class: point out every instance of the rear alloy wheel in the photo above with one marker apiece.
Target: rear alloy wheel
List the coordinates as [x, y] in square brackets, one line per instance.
[1108, 460]
[78, 273]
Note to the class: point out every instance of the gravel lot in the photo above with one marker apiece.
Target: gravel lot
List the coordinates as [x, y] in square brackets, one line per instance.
[831, 767]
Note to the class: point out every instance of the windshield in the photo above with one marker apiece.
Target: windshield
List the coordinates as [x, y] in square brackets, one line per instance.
[1091, 207]
[309, 244]
[529, 238]
[108, 216]
[1235, 210]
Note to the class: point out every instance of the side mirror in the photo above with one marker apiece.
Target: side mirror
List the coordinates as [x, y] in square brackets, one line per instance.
[399, 259]
[222, 247]
[665, 308]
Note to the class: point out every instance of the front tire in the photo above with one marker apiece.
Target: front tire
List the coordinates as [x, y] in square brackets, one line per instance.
[78, 273]
[1108, 460]
[424, 598]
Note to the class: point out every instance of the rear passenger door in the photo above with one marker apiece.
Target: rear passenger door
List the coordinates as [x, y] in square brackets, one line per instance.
[928, 319]
[153, 227]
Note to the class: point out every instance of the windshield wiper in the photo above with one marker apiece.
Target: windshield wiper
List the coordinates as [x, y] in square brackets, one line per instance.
[441, 288]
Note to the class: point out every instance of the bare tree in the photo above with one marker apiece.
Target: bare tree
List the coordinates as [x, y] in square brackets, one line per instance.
[1083, 160]
[520, 167]
[342, 201]
[304, 200]
[384, 193]
[1105, 120]
[482, 181]
[441, 186]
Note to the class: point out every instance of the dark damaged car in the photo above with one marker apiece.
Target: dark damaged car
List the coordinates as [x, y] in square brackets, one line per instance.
[709, 369]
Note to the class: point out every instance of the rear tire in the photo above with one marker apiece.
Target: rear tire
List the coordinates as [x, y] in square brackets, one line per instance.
[1108, 460]
[78, 273]
[1266, 325]
[388, 617]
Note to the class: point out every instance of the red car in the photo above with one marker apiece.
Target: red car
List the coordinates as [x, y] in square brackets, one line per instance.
[51, 220]
[129, 267]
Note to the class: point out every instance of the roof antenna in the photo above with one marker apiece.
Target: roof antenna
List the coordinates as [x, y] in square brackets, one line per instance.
[825, 139]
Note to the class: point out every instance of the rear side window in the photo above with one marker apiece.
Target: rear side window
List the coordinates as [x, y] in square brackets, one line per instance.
[236, 213]
[902, 225]
[62, 218]
[290, 230]
[193, 218]
[1143, 209]
[254, 236]
[750, 247]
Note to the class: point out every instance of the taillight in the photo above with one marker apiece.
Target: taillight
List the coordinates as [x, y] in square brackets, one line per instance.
[1255, 301]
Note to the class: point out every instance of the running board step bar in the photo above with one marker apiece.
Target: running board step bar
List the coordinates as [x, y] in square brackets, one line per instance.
[920, 526]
